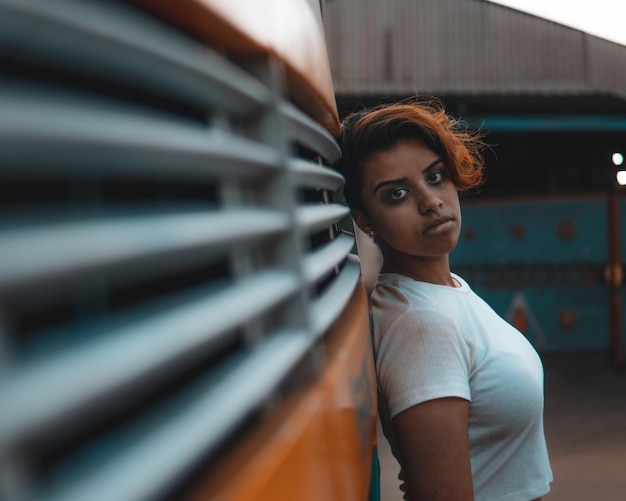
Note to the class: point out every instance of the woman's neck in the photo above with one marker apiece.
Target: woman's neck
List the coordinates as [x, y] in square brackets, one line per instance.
[433, 271]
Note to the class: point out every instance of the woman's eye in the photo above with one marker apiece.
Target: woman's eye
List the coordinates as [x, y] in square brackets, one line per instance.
[435, 177]
[397, 194]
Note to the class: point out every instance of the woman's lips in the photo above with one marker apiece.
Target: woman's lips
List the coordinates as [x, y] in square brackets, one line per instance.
[440, 224]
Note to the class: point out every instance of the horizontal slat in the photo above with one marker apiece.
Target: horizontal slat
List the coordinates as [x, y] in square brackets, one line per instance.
[62, 250]
[315, 176]
[55, 132]
[310, 134]
[317, 217]
[35, 398]
[169, 445]
[327, 308]
[113, 42]
[323, 260]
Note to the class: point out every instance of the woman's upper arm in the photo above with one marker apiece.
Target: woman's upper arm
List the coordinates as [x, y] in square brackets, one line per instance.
[434, 447]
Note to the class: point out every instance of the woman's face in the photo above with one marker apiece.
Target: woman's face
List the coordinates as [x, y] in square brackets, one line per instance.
[411, 204]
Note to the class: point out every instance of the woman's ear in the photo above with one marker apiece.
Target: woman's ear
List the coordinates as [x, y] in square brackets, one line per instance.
[362, 220]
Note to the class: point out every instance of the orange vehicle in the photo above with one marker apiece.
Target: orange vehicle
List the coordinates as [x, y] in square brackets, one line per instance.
[182, 315]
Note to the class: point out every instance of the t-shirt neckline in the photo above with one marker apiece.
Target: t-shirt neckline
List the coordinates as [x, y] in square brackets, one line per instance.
[387, 277]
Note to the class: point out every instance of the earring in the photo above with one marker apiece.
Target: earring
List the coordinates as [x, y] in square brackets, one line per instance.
[371, 234]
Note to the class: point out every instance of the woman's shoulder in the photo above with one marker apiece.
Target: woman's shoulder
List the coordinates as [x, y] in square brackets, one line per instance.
[397, 297]
[395, 294]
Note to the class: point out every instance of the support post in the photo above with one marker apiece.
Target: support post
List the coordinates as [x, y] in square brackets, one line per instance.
[615, 277]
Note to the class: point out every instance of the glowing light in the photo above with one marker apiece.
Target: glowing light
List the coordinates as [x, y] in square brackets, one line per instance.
[621, 177]
[618, 159]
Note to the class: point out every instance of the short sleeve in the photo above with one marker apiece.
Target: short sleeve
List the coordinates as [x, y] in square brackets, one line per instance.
[421, 357]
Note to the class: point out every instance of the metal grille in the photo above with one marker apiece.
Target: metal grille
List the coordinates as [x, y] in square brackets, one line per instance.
[169, 249]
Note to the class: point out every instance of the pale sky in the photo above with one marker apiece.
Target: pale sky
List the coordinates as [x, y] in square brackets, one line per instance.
[602, 18]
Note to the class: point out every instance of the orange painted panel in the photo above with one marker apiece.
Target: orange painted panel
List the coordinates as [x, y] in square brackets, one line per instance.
[319, 443]
[287, 29]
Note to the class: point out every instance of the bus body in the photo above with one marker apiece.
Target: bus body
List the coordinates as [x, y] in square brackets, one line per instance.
[181, 311]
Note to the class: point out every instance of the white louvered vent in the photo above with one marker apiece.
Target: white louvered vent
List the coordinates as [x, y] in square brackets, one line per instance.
[169, 249]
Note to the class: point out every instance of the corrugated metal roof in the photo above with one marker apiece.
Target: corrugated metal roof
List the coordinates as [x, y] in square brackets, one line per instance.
[463, 46]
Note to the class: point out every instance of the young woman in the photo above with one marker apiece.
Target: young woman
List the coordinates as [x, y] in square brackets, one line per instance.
[460, 390]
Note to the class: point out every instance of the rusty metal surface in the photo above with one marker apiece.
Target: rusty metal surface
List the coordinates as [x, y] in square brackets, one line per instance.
[291, 30]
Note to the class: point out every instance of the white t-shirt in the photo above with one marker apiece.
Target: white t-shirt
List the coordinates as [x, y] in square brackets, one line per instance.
[433, 341]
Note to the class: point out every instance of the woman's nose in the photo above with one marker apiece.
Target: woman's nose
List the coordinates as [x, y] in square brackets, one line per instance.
[429, 201]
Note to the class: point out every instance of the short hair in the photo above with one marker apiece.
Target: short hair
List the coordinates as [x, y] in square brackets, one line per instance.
[378, 129]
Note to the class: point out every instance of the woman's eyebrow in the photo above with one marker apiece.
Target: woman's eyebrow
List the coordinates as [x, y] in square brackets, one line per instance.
[400, 180]
[432, 164]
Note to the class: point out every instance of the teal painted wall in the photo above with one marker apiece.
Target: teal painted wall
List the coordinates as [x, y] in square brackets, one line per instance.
[546, 258]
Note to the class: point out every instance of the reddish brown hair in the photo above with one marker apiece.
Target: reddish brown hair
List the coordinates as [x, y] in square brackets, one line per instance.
[380, 128]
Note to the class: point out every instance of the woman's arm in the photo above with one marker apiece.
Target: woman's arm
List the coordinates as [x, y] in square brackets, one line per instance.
[434, 447]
